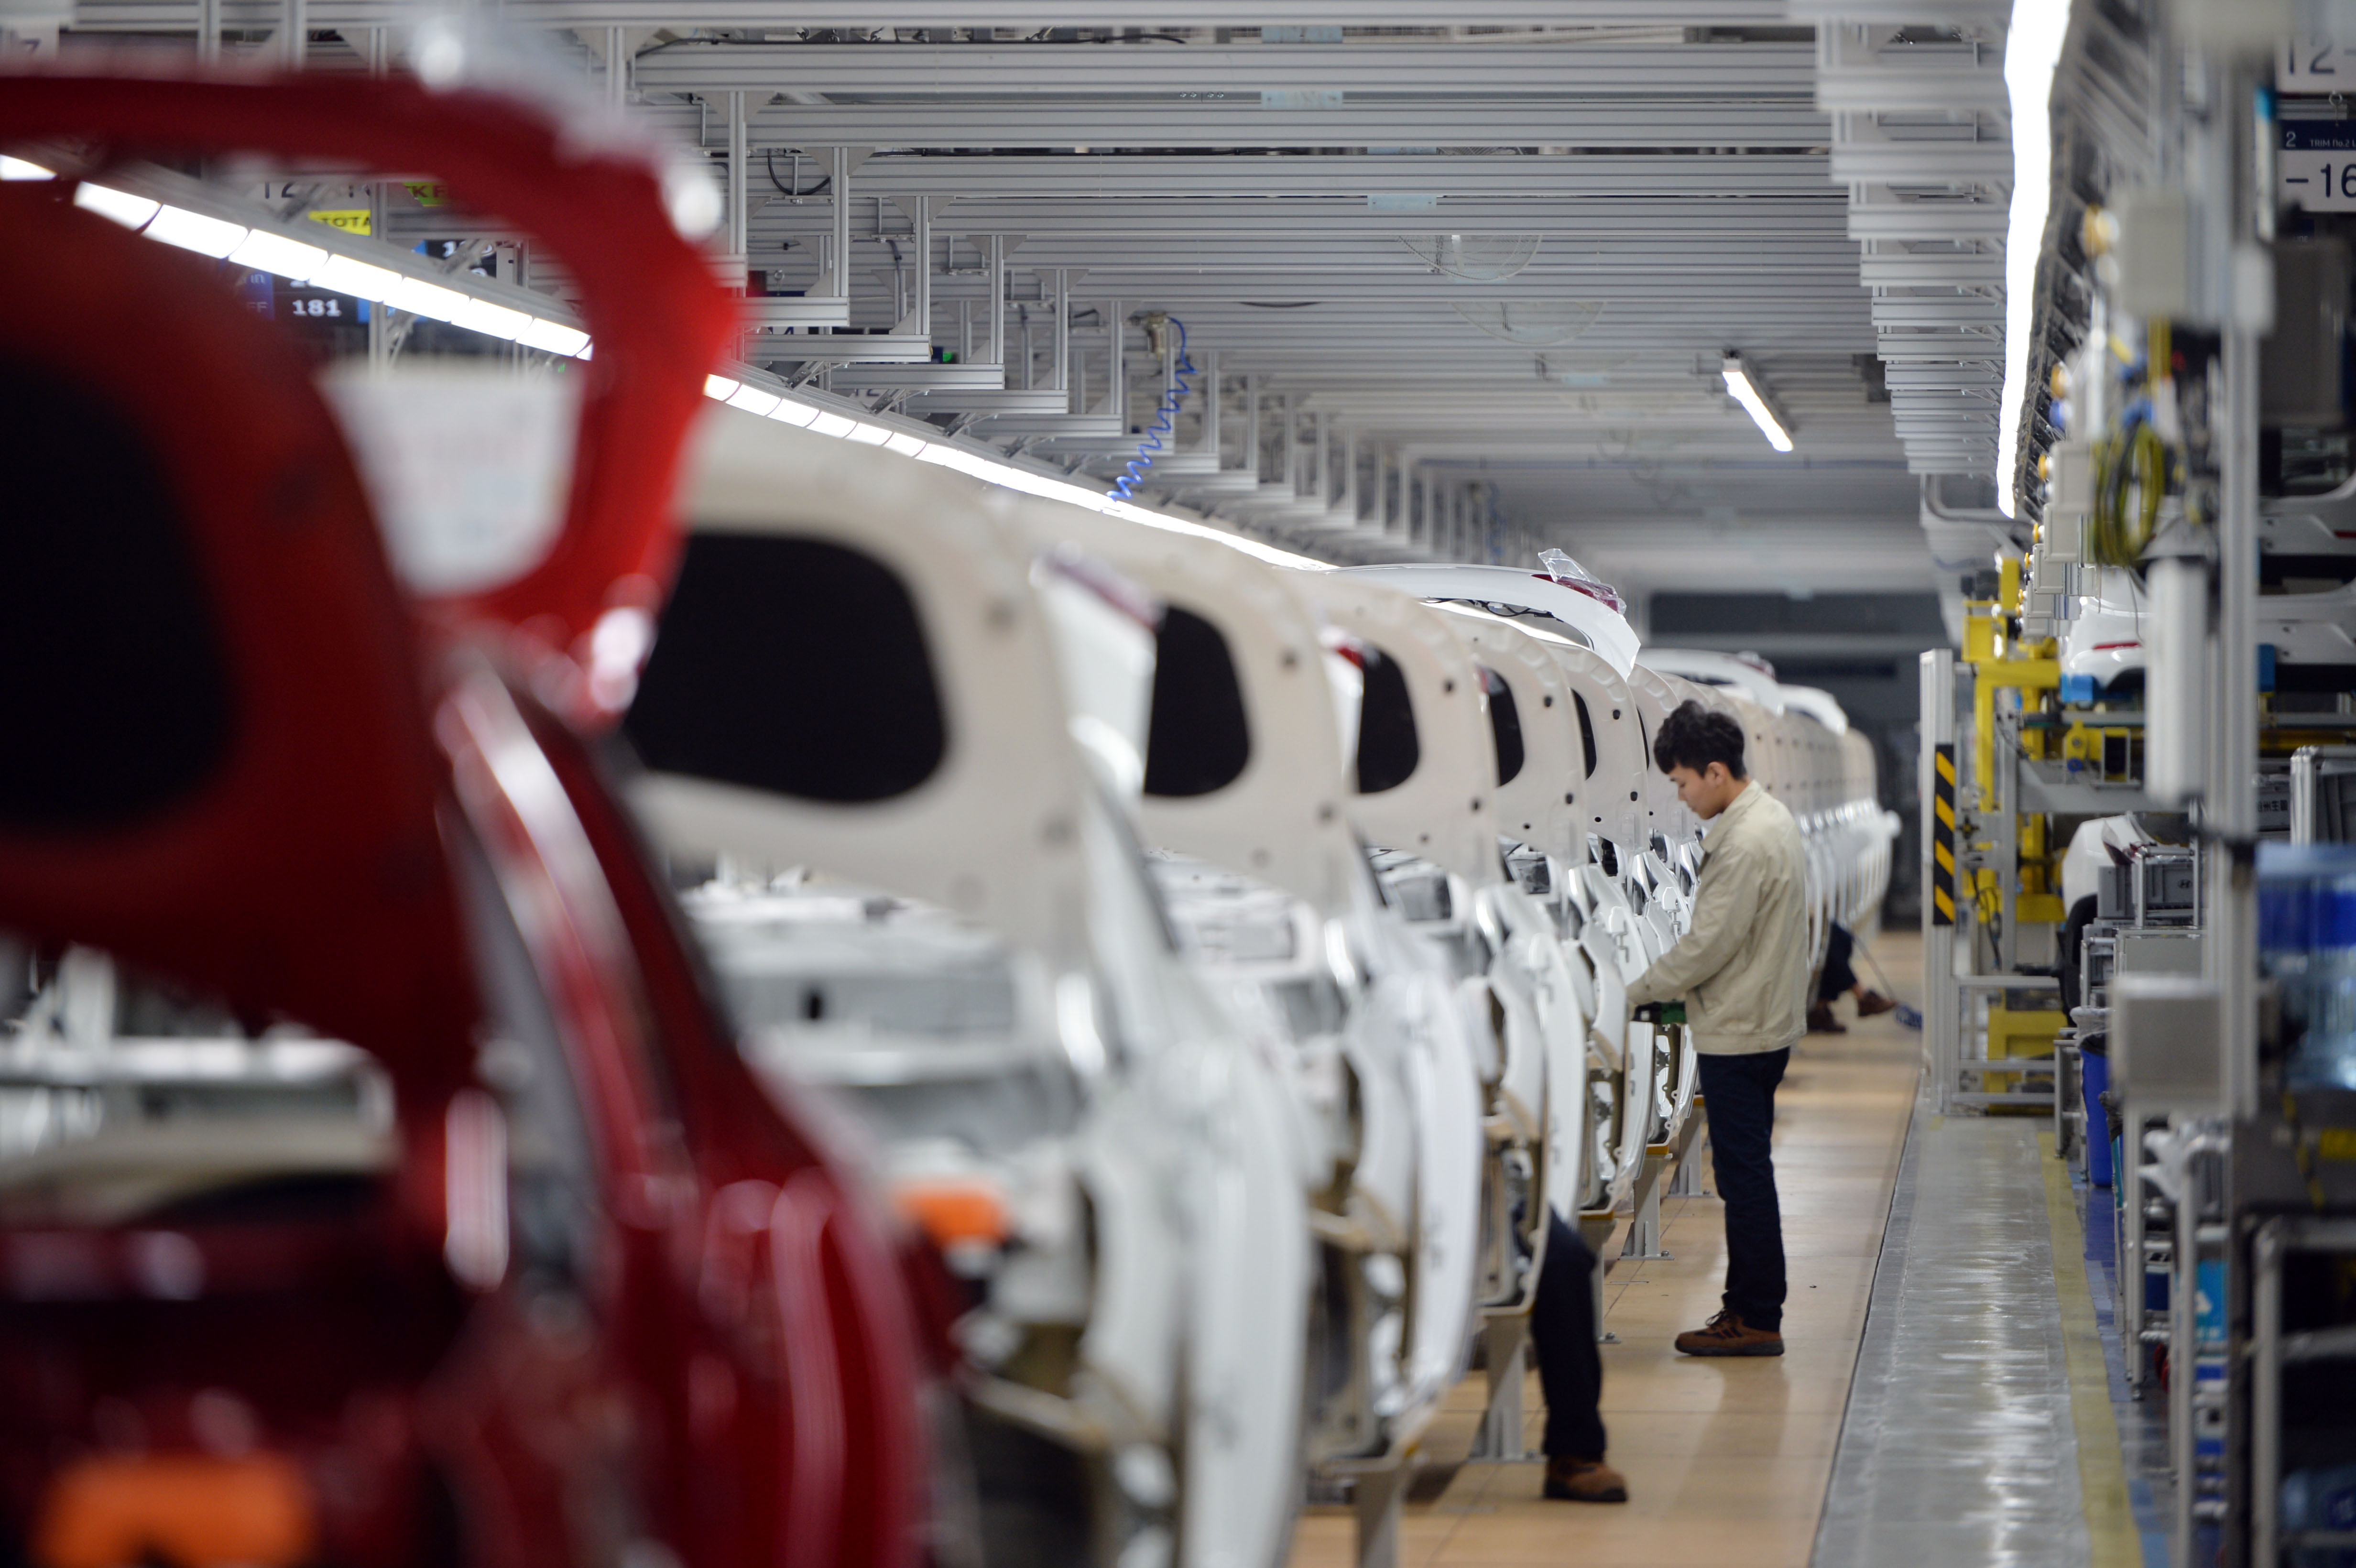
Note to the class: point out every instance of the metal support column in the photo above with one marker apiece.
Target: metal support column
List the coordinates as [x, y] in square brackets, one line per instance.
[1320, 462]
[1251, 422]
[1644, 1240]
[918, 322]
[1505, 1360]
[1405, 528]
[294, 34]
[739, 188]
[1349, 502]
[1290, 429]
[617, 66]
[997, 301]
[1376, 1497]
[834, 283]
[1060, 287]
[1942, 905]
[1686, 1182]
[1209, 399]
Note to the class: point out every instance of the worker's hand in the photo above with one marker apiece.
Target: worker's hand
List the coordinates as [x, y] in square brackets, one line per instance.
[1661, 1013]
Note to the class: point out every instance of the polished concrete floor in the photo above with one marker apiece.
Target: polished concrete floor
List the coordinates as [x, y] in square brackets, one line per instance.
[1727, 1461]
[1962, 1445]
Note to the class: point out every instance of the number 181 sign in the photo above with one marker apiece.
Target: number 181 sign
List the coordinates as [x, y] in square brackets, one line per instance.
[2315, 166]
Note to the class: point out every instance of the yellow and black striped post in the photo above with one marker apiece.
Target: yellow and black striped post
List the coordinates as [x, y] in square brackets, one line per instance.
[1943, 835]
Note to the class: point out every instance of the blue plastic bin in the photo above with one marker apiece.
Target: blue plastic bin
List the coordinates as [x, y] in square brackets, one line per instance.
[2095, 1076]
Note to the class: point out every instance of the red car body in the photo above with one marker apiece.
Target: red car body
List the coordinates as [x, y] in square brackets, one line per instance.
[259, 781]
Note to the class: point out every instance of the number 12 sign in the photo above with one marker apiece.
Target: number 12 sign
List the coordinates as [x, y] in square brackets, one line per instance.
[2316, 168]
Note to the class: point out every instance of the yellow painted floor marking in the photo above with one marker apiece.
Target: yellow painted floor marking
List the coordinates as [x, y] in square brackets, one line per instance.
[2102, 1471]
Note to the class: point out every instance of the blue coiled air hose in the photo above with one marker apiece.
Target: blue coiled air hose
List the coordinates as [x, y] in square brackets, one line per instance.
[1125, 487]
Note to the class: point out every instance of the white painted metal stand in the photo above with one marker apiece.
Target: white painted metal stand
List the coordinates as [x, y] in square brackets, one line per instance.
[1645, 1228]
[1504, 1346]
[1375, 1498]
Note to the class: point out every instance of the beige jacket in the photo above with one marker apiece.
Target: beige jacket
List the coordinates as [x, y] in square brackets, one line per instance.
[1743, 968]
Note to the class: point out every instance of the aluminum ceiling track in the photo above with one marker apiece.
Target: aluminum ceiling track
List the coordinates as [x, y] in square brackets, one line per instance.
[1713, 175]
[1421, 68]
[784, 15]
[1919, 137]
[1692, 191]
[1360, 122]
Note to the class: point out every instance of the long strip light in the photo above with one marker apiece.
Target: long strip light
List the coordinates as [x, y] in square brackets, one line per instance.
[793, 411]
[2032, 50]
[267, 251]
[1738, 386]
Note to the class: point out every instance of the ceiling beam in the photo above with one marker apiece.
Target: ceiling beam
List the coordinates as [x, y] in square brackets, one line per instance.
[865, 15]
[1730, 176]
[1113, 121]
[1423, 67]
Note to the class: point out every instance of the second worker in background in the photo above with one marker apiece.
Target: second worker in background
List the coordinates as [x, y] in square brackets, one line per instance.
[1743, 971]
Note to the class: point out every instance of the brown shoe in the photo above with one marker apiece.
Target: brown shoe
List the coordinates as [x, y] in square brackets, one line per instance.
[1728, 1335]
[1821, 1020]
[1872, 1004]
[1569, 1480]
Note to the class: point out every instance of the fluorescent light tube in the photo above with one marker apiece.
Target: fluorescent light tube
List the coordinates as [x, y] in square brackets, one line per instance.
[342, 275]
[904, 445]
[720, 387]
[194, 231]
[1739, 387]
[554, 337]
[833, 424]
[2032, 49]
[129, 211]
[795, 413]
[22, 169]
[491, 320]
[429, 300]
[268, 252]
[753, 401]
[869, 434]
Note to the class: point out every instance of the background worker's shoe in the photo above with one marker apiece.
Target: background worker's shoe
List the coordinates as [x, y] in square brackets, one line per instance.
[1569, 1480]
[1871, 1004]
[1821, 1020]
[1728, 1335]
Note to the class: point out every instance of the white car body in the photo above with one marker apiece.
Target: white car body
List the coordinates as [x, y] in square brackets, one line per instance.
[1176, 1386]
[1280, 911]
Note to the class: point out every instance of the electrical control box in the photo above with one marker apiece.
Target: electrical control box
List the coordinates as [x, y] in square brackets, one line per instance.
[2166, 1041]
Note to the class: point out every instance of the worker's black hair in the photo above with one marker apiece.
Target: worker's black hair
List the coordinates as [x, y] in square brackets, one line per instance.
[1694, 737]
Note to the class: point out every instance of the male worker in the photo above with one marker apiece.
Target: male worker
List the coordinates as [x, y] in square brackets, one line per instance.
[1563, 1336]
[1837, 979]
[1742, 970]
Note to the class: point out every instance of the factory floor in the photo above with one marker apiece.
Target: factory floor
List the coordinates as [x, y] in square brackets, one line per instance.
[1973, 1408]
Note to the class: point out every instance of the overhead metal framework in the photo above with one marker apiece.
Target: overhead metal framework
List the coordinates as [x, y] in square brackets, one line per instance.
[1458, 287]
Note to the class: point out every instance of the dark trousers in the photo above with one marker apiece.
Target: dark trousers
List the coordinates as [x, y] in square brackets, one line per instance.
[1562, 1338]
[1837, 976]
[1740, 1094]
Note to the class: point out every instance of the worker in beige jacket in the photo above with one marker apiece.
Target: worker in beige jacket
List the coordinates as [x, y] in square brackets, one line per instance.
[1742, 972]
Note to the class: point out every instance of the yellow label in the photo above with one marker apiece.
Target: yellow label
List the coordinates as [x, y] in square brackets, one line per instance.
[2336, 1143]
[351, 220]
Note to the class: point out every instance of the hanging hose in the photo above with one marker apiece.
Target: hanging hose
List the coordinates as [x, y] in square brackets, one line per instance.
[2134, 459]
[1164, 415]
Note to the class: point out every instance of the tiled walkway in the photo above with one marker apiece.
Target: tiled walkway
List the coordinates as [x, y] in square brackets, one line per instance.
[1726, 1461]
